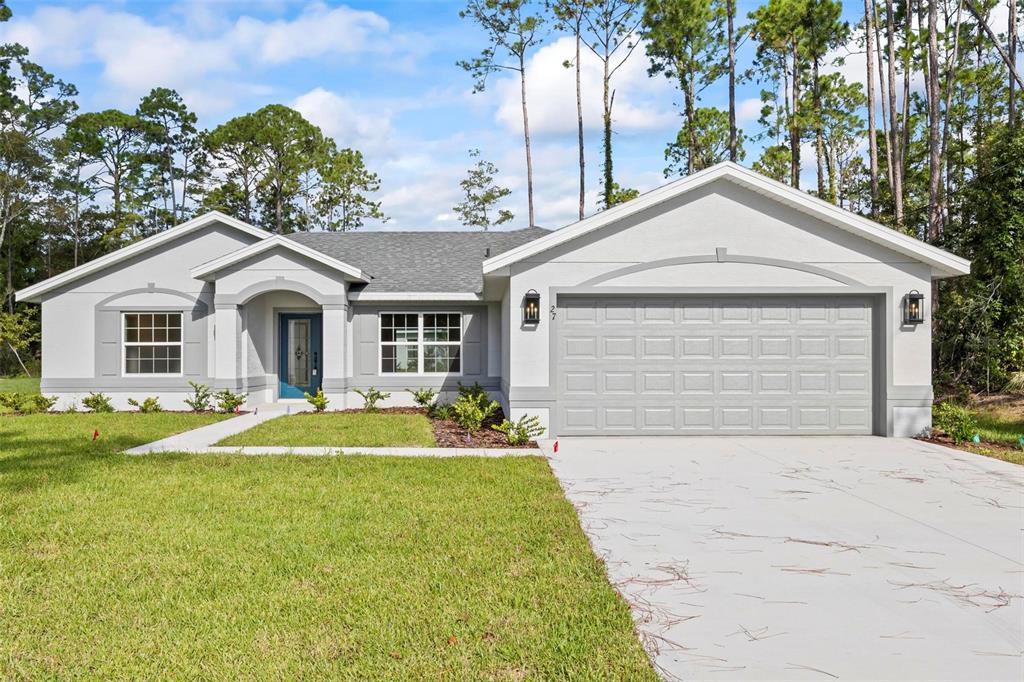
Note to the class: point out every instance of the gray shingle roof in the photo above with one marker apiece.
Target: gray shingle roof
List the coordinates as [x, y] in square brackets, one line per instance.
[418, 261]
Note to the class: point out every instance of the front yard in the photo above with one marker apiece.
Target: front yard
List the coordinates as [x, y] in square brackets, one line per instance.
[340, 429]
[223, 567]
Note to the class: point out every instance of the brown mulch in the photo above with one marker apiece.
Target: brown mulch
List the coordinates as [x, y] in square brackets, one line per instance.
[448, 434]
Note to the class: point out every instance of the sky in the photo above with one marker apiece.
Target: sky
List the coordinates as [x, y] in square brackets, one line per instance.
[380, 77]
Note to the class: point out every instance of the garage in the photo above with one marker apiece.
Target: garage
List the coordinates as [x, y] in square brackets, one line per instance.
[714, 365]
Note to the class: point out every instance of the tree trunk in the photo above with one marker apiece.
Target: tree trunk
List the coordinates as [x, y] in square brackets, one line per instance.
[908, 67]
[869, 43]
[579, 125]
[526, 140]
[1010, 62]
[730, 11]
[819, 137]
[896, 162]
[606, 120]
[1011, 48]
[883, 98]
[794, 125]
[691, 133]
[934, 137]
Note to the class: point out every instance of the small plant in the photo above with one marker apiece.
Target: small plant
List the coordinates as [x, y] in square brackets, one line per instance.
[98, 402]
[72, 407]
[201, 399]
[475, 391]
[147, 406]
[37, 403]
[472, 409]
[424, 397]
[955, 420]
[441, 411]
[371, 397]
[228, 402]
[1016, 383]
[520, 432]
[318, 401]
[10, 400]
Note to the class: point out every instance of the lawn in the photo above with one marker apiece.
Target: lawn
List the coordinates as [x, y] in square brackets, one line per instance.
[340, 429]
[177, 566]
[20, 384]
[1001, 422]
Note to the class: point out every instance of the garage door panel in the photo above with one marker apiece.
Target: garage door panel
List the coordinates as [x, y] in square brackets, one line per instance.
[714, 365]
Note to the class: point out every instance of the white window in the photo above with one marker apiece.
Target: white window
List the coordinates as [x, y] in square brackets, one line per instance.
[421, 343]
[152, 343]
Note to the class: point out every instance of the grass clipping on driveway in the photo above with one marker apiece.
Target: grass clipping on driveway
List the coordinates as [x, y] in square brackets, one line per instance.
[224, 567]
[339, 429]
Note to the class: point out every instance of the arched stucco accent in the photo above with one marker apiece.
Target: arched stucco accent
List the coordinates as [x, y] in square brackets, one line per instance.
[193, 300]
[721, 258]
[277, 284]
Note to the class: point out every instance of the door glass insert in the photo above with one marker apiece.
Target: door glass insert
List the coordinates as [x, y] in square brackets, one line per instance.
[298, 353]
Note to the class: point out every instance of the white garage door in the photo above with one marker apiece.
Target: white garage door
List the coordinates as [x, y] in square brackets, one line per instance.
[713, 365]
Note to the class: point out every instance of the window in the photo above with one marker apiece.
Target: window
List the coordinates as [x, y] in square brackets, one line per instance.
[420, 343]
[152, 343]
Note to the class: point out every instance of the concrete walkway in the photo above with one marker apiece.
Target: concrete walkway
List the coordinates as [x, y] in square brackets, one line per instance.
[202, 439]
[808, 558]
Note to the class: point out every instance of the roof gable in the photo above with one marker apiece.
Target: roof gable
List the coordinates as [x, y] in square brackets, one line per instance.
[208, 269]
[32, 293]
[943, 263]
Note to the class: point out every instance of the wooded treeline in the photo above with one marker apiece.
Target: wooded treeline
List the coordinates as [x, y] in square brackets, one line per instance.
[930, 143]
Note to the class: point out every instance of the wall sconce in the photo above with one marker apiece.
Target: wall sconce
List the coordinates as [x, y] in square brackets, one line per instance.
[913, 308]
[531, 307]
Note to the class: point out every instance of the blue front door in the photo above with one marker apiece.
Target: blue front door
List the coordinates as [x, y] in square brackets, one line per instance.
[299, 370]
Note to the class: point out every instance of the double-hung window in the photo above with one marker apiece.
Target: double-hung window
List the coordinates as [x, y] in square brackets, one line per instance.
[421, 343]
[152, 343]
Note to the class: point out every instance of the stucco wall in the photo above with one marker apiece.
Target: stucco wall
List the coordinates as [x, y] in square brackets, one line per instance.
[81, 322]
[719, 237]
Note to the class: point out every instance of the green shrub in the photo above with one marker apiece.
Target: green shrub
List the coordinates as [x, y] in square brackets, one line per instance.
[10, 400]
[201, 399]
[1016, 383]
[956, 421]
[35, 402]
[147, 406]
[371, 397]
[440, 411]
[318, 401]
[476, 391]
[424, 397]
[228, 402]
[471, 409]
[520, 432]
[98, 402]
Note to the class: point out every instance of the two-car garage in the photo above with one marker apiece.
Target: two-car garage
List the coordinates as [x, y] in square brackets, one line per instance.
[716, 364]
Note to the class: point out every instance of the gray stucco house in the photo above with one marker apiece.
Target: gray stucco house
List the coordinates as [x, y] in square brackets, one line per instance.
[724, 302]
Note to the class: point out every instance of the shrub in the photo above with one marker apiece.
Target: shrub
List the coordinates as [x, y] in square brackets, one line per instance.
[955, 420]
[98, 402]
[475, 391]
[520, 432]
[371, 397]
[440, 411]
[147, 406]
[318, 401]
[228, 402]
[1016, 383]
[424, 397]
[471, 409]
[10, 400]
[36, 402]
[201, 399]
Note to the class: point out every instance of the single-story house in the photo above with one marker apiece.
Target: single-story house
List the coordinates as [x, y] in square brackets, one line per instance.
[721, 303]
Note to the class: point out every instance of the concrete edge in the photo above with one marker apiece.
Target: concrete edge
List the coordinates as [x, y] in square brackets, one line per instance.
[335, 451]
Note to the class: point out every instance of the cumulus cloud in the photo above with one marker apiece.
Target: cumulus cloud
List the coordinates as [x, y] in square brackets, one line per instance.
[347, 121]
[641, 102]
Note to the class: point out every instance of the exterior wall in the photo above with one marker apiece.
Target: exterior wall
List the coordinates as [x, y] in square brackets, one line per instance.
[478, 363]
[81, 330]
[723, 237]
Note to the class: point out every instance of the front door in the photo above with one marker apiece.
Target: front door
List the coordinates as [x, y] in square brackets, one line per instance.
[299, 370]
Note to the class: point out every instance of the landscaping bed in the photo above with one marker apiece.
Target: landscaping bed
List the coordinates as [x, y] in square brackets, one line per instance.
[998, 421]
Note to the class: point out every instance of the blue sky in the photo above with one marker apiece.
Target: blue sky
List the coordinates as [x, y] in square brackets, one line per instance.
[379, 77]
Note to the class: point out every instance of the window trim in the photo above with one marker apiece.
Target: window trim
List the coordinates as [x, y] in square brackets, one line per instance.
[124, 344]
[420, 343]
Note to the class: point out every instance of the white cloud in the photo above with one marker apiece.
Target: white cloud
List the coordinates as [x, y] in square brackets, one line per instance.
[748, 110]
[351, 126]
[641, 102]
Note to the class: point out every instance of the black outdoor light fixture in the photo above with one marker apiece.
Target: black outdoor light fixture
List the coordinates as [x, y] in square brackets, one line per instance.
[913, 308]
[531, 307]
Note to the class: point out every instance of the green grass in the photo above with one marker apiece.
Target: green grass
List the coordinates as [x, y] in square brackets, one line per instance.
[1003, 424]
[340, 429]
[20, 384]
[176, 566]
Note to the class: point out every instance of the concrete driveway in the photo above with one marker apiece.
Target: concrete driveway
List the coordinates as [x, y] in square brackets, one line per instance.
[809, 558]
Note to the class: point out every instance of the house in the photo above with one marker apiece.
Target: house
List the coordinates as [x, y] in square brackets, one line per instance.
[721, 303]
